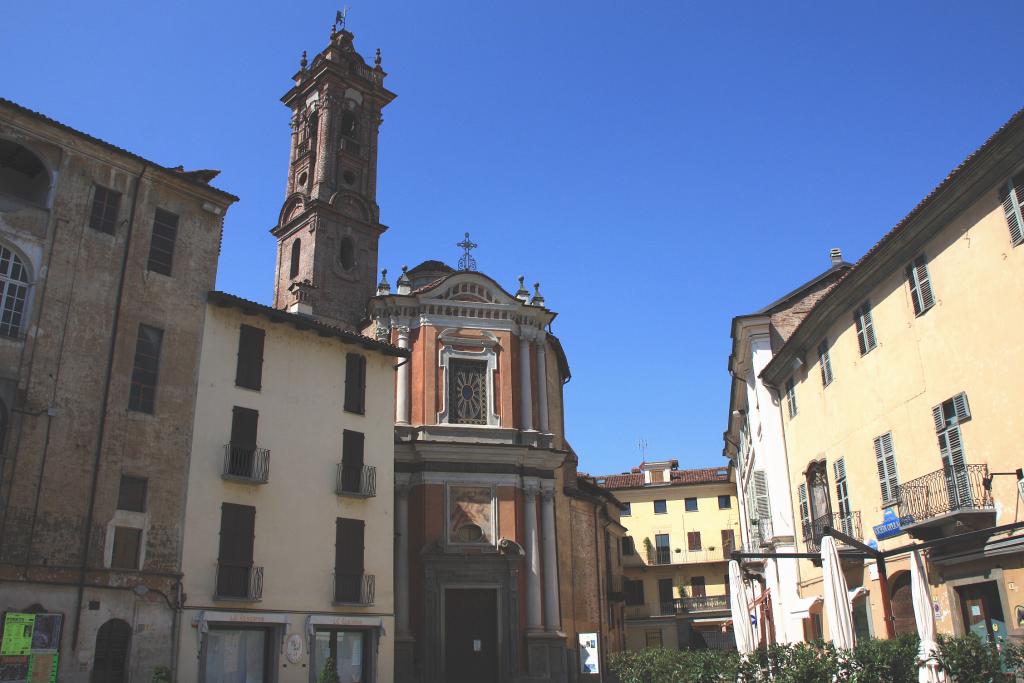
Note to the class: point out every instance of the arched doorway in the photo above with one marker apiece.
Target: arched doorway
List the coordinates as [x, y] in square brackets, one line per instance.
[110, 663]
[902, 604]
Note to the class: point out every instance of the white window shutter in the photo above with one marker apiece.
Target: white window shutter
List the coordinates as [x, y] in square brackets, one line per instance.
[761, 495]
[890, 464]
[940, 421]
[1011, 198]
[961, 407]
[869, 327]
[805, 509]
[883, 478]
[924, 283]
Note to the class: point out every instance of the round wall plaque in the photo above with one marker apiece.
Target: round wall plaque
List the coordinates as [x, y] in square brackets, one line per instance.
[293, 648]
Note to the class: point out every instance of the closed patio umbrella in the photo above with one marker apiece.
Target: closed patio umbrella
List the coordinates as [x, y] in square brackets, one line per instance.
[929, 671]
[836, 598]
[741, 626]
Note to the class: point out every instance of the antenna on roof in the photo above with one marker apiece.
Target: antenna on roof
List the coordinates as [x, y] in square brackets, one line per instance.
[642, 445]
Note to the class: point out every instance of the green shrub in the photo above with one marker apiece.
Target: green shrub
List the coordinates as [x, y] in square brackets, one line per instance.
[886, 661]
[161, 674]
[969, 660]
[329, 674]
[657, 665]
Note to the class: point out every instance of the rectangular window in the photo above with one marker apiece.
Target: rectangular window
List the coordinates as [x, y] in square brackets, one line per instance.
[948, 417]
[105, 205]
[249, 370]
[348, 560]
[131, 495]
[843, 496]
[693, 540]
[728, 541]
[657, 476]
[697, 587]
[355, 383]
[825, 362]
[660, 507]
[665, 596]
[691, 505]
[626, 510]
[634, 591]
[762, 504]
[885, 459]
[791, 397]
[865, 328]
[161, 246]
[237, 654]
[351, 460]
[234, 557]
[142, 395]
[628, 546]
[349, 649]
[805, 511]
[652, 639]
[1012, 197]
[242, 461]
[724, 502]
[662, 549]
[126, 548]
[920, 285]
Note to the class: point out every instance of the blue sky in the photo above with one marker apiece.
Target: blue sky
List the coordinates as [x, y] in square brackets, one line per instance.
[658, 166]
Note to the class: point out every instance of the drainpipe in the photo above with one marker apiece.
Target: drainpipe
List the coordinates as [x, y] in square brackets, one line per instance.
[87, 536]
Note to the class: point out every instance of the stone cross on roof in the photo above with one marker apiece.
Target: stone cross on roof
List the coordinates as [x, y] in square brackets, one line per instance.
[466, 261]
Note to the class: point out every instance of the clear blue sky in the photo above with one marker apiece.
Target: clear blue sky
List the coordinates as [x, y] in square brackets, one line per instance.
[659, 166]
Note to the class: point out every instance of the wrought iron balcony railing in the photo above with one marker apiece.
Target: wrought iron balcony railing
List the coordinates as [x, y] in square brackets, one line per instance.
[814, 532]
[943, 492]
[702, 603]
[354, 589]
[246, 463]
[359, 482]
[663, 556]
[239, 582]
[656, 556]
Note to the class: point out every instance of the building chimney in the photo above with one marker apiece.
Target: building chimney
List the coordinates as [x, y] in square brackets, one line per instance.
[836, 255]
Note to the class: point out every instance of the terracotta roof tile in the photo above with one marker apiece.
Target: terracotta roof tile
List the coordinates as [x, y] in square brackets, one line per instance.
[706, 475]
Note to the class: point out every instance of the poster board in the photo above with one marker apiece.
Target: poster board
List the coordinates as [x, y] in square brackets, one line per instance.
[590, 659]
[29, 647]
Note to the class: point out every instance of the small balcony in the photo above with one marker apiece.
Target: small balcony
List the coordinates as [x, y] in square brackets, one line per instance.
[239, 582]
[814, 532]
[247, 464]
[659, 556]
[679, 606]
[356, 482]
[702, 603]
[668, 556]
[354, 589]
[940, 499]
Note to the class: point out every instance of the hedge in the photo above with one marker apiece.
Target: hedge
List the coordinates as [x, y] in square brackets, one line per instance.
[966, 660]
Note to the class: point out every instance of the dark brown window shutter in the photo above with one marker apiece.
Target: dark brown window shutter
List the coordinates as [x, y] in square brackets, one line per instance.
[237, 529]
[249, 373]
[693, 540]
[244, 425]
[161, 245]
[352, 444]
[697, 587]
[132, 494]
[126, 548]
[355, 383]
[728, 540]
[145, 369]
[348, 546]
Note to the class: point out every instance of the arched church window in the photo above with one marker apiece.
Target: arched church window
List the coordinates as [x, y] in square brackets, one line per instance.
[13, 291]
[296, 252]
[347, 253]
[22, 174]
[349, 125]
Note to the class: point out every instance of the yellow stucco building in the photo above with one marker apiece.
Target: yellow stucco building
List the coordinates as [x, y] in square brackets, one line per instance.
[900, 393]
[682, 525]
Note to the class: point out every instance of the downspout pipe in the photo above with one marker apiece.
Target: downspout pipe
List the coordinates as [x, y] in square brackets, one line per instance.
[98, 452]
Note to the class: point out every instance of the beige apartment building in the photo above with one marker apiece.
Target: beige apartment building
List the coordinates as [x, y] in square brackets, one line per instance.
[900, 392]
[682, 525]
[289, 520]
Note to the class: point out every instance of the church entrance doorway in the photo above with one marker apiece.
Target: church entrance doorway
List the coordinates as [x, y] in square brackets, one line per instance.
[471, 635]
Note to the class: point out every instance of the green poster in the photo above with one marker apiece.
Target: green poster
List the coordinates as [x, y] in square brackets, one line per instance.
[42, 668]
[18, 634]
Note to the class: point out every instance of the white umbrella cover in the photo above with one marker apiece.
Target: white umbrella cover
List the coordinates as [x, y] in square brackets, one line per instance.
[929, 671]
[741, 625]
[836, 598]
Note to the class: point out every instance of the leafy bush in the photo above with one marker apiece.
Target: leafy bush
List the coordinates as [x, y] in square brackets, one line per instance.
[161, 674]
[329, 674]
[966, 660]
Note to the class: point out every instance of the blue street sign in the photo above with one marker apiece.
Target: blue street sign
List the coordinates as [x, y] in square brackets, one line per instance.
[892, 525]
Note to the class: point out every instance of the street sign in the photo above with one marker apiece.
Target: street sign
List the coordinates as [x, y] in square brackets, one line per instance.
[892, 525]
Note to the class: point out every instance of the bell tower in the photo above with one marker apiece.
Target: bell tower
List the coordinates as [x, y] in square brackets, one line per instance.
[329, 226]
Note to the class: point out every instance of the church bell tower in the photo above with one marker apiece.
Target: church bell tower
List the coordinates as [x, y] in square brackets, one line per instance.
[329, 226]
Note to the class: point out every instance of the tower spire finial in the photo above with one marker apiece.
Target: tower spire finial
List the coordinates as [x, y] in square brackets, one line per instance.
[340, 19]
[466, 261]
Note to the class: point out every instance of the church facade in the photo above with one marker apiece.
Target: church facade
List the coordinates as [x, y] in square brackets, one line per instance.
[506, 559]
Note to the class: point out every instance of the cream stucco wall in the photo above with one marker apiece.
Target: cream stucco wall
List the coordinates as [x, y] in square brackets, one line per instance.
[969, 341]
[301, 421]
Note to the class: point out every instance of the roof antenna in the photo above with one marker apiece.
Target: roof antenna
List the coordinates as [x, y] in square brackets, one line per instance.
[642, 445]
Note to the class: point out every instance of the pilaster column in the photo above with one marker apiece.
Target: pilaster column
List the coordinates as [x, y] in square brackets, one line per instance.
[547, 517]
[402, 558]
[542, 384]
[402, 388]
[525, 394]
[323, 147]
[533, 622]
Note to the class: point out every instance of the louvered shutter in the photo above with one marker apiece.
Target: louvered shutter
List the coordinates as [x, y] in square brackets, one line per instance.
[955, 465]
[825, 361]
[249, 370]
[805, 510]
[869, 327]
[355, 383]
[861, 339]
[352, 444]
[1012, 196]
[938, 418]
[761, 503]
[961, 407]
[885, 459]
[924, 283]
[842, 494]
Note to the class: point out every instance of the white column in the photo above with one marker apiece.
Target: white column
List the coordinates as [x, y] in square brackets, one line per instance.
[402, 388]
[542, 384]
[402, 558]
[525, 395]
[547, 518]
[533, 622]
